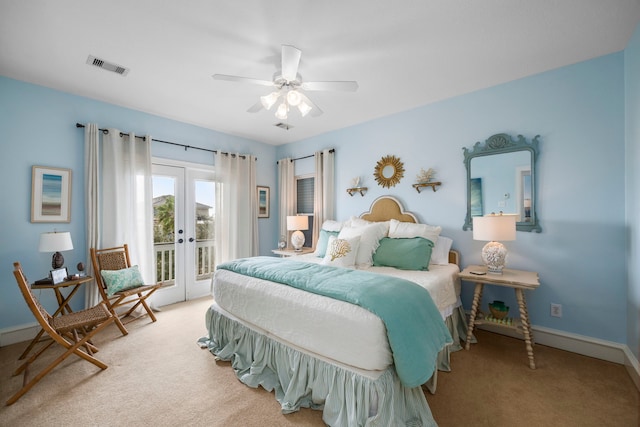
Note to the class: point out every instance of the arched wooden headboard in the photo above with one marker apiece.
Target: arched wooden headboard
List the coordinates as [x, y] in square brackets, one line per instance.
[385, 208]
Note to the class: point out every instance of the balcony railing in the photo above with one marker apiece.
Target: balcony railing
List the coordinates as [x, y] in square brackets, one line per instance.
[166, 260]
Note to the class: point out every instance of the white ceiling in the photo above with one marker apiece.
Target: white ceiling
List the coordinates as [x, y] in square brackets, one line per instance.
[402, 53]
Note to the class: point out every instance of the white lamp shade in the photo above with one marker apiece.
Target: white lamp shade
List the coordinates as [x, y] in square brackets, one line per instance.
[293, 98]
[268, 100]
[297, 222]
[55, 242]
[494, 227]
[304, 108]
[281, 113]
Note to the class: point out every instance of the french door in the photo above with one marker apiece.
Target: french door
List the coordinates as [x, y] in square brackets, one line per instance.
[183, 221]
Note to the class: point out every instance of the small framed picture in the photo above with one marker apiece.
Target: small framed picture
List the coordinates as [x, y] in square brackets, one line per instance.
[50, 194]
[59, 275]
[263, 202]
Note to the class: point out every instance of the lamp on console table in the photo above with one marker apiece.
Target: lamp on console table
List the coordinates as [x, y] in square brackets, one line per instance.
[493, 228]
[296, 223]
[56, 242]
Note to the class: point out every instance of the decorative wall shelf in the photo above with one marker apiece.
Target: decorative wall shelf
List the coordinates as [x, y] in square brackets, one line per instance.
[360, 190]
[433, 185]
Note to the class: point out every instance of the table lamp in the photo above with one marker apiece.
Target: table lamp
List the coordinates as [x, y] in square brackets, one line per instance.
[56, 242]
[493, 228]
[296, 223]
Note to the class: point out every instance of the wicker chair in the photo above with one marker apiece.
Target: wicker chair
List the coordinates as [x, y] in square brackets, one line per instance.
[117, 258]
[72, 331]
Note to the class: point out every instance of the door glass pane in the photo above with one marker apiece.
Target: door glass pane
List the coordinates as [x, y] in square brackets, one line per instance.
[305, 201]
[204, 220]
[164, 192]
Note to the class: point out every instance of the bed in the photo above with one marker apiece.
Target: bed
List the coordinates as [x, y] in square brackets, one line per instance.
[354, 362]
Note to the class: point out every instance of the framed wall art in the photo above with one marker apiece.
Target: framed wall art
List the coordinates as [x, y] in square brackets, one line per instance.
[50, 194]
[263, 202]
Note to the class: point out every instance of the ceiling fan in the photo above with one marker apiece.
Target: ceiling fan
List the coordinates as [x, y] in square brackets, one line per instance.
[288, 87]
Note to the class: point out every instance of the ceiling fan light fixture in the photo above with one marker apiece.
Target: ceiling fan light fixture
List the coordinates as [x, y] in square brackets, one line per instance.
[269, 100]
[304, 108]
[293, 97]
[282, 111]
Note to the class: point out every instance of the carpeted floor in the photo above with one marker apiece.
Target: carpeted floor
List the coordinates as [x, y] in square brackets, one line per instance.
[158, 376]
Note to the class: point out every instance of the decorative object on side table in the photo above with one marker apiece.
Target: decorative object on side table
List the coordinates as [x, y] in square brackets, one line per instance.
[498, 309]
[425, 179]
[296, 223]
[282, 242]
[493, 228]
[80, 268]
[56, 242]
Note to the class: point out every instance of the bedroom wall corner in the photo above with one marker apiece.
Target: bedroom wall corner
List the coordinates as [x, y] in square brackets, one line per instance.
[632, 186]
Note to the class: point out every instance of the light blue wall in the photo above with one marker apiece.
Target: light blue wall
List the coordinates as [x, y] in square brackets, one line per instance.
[579, 112]
[632, 91]
[38, 128]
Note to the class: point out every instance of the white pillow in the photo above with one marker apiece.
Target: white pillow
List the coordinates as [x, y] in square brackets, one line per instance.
[354, 221]
[408, 230]
[341, 252]
[440, 251]
[370, 235]
[331, 225]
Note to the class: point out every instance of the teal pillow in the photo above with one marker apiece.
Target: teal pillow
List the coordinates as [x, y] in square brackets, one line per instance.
[121, 280]
[323, 240]
[404, 254]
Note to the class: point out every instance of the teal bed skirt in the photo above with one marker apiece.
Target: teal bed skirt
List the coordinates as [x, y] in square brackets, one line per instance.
[300, 380]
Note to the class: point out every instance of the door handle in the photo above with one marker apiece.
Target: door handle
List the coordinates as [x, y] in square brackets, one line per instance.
[180, 240]
[191, 239]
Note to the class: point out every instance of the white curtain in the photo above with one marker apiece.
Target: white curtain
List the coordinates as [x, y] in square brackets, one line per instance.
[92, 203]
[324, 193]
[287, 190]
[236, 210]
[127, 213]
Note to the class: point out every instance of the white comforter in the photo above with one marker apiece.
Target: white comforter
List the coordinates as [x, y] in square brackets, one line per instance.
[322, 326]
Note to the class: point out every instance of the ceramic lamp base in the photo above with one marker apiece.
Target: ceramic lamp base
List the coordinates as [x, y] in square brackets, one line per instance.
[494, 255]
[297, 240]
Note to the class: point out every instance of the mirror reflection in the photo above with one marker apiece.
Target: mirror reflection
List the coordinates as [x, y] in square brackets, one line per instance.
[502, 182]
[501, 177]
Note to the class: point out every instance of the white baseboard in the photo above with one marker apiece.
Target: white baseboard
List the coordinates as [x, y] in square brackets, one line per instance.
[16, 334]
[580, 344]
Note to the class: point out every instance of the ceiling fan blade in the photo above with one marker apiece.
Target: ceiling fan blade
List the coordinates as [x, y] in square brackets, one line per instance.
[346, 86]
[255, 107]
[242, 80]
[315, 110]
[290, 62]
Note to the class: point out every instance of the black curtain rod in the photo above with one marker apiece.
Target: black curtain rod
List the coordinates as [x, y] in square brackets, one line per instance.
[333, 150]
[106, 131]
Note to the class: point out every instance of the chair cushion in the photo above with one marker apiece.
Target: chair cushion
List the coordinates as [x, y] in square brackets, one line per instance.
[121, 280]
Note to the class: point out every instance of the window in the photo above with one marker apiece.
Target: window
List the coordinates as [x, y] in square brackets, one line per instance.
[305, 186]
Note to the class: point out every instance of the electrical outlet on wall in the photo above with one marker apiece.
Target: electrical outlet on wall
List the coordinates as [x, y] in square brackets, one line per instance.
[556, 310]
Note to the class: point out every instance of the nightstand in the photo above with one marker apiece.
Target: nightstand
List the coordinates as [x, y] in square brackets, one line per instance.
[284, 253]
[519, 281]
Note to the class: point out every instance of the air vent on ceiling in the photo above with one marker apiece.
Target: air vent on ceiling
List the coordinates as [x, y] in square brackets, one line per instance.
[284, 126]
[106, 65]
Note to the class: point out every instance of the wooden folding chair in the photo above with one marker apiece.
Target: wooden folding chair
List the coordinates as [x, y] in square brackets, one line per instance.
[117, 258]
[72, 331]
